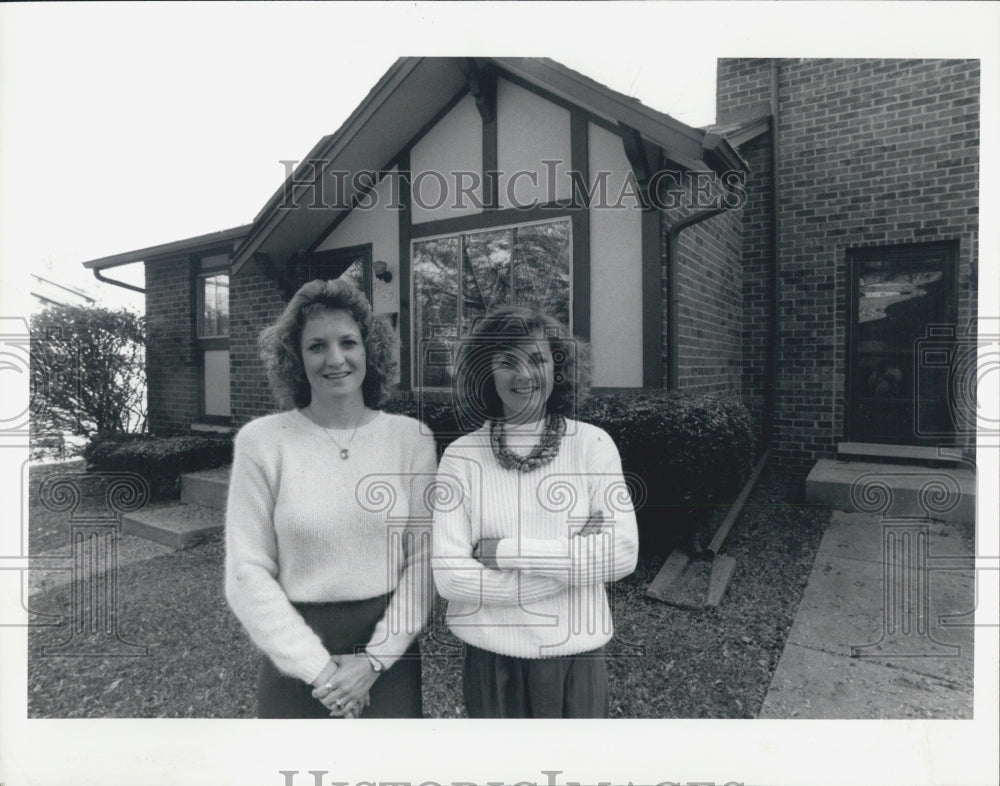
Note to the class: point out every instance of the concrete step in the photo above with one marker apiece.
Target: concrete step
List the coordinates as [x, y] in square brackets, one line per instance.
[894, 490]
[207, 488]
[174, 524]
[901, 454]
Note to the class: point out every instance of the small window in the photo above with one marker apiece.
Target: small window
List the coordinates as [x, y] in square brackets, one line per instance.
[351, 264]
[213, 305]
[459, 278]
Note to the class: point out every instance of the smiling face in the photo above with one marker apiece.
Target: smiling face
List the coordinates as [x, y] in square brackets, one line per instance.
[523, 376]
[333, 354]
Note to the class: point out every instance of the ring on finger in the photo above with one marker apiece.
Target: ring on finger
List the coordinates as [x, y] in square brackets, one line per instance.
[339, 704]
[328, 686]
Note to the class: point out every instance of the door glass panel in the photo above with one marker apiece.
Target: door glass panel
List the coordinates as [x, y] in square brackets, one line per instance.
[897, 300]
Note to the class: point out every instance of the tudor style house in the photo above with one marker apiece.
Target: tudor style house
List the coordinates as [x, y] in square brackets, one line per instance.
[813, 253]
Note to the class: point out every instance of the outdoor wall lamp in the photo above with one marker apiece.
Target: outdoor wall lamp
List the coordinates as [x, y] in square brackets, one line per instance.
[382, 272]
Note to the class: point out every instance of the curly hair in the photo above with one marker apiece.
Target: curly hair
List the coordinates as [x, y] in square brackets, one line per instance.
[474, 392]
[281, 343]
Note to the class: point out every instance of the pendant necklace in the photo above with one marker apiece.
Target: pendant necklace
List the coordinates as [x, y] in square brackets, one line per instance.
[345, 452]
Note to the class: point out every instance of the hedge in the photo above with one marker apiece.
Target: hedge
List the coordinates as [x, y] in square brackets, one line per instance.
[160, 460]
[684, 454]
[689, 453]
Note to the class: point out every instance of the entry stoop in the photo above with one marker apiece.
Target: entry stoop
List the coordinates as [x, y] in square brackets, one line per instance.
[896, 490]
[207, 487]
[173, 524]
[199, 513]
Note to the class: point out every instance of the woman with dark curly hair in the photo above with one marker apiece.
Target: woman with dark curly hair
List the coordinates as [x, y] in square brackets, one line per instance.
[327, 543]
[533, 519]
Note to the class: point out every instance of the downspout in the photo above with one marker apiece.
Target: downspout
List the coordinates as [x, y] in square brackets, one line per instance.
[115, 282]
[771, 393]
[673, 298]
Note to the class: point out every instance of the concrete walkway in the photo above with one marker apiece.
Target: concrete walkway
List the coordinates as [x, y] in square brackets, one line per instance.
[852, 652]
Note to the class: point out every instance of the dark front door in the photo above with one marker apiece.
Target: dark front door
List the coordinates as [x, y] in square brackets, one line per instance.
[899, 297]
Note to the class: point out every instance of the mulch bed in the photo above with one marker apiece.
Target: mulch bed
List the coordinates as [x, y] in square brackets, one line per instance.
[665, 662]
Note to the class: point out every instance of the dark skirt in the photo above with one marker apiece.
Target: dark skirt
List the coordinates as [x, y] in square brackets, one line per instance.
[500, 686]
[343, 628]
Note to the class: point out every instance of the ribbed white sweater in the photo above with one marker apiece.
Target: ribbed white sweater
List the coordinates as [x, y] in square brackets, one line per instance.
[304, 525]
[548, 597]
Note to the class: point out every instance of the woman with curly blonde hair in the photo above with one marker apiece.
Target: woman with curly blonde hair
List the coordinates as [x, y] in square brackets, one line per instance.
[327, 543]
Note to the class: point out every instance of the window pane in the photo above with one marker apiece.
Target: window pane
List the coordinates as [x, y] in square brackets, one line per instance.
[208, 318]
[485, 275]
[222, 303]
[435, 308]
[215, 305]
[541, 268]
[355, 274]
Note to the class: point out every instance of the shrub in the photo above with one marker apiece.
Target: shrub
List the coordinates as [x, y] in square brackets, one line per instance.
[87, 372]
[692, 452]
[160, 460]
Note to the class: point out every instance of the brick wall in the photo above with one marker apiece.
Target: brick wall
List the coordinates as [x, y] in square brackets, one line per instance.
[255, 302]
[709, 304]
[758, 273]
[171, 358]
[871, 153]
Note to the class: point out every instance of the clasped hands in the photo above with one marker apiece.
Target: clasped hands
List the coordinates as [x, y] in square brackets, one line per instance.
[343, 685]
[485, 551]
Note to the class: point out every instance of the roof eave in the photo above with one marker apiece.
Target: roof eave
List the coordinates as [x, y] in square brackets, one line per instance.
[324, 150]
[720, 153]
[175, 248]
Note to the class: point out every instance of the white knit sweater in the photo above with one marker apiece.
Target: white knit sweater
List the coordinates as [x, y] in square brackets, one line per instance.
[304, 525]
[548, 596]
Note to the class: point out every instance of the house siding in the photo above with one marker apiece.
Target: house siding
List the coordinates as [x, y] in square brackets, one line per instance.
[758, 275]
[871, 153]
[709, 294]
[255, 302]
[615, 267]
[171, 350]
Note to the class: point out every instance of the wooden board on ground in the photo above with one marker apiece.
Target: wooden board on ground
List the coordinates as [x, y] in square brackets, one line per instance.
[682, 581]
[722, 571]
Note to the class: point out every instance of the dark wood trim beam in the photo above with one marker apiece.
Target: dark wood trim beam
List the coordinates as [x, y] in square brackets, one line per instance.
[579, 137]
[491, 219]
[652, 301]
[405, 339]
[482, 80]
[481, 76]
[641, 157]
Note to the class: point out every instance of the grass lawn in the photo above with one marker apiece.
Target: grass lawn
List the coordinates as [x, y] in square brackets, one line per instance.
[665, 662]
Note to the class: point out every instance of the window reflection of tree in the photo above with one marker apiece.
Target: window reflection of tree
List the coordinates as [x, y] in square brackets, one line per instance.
[526, 265]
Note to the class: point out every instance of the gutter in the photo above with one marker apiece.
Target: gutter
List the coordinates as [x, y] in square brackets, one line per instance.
[115, 282]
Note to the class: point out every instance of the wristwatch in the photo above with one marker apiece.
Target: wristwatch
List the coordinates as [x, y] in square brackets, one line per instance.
[375, 663]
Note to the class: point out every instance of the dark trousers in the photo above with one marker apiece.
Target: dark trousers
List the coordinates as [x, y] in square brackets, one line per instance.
[570, 686]
[343, 627]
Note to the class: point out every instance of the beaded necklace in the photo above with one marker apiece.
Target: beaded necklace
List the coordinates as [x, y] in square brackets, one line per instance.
[543, 453]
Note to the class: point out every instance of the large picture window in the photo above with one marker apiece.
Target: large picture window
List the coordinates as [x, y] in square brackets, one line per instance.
[459, 278]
